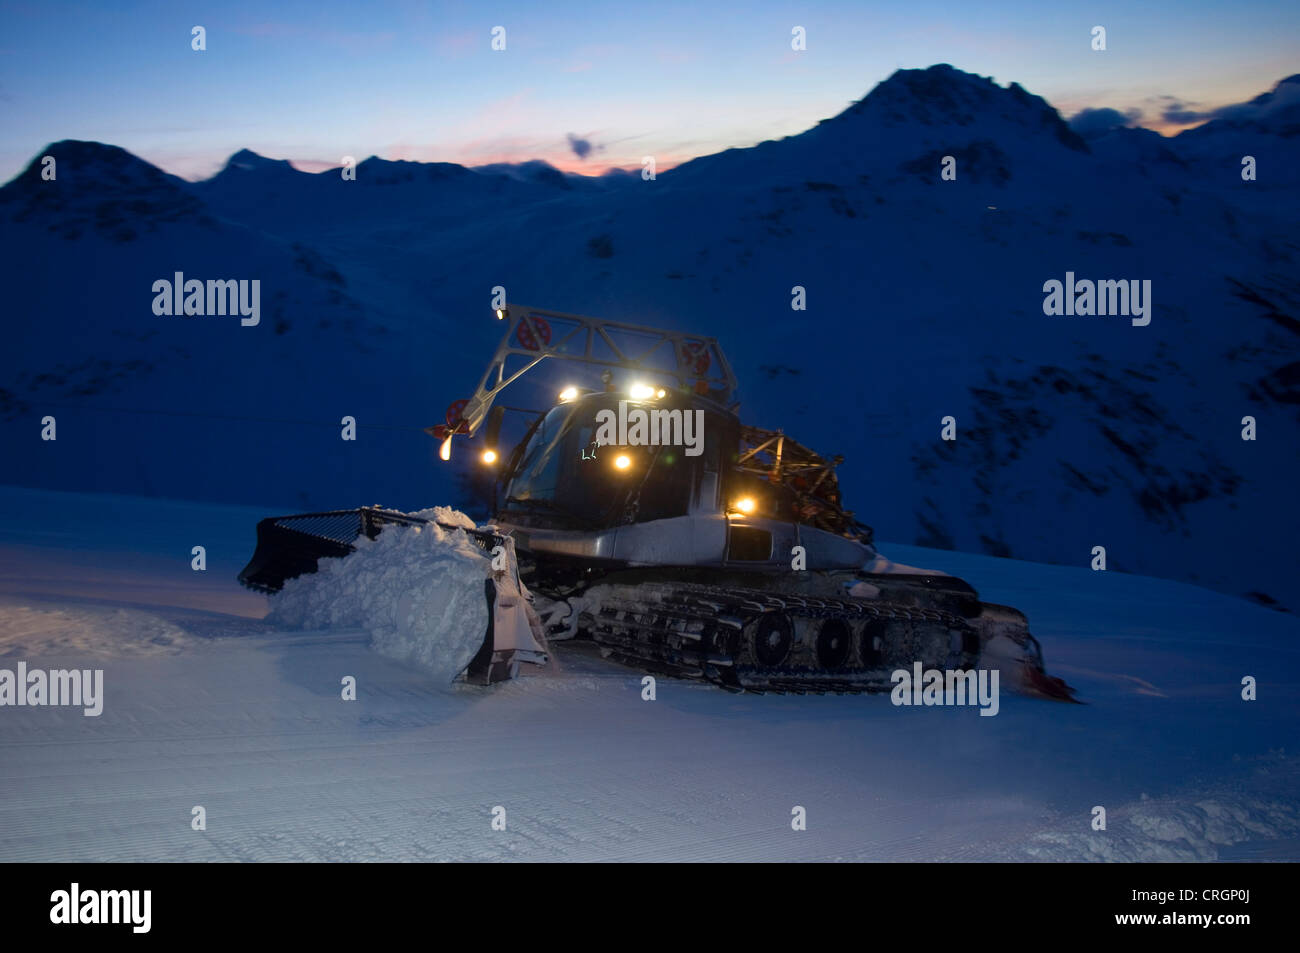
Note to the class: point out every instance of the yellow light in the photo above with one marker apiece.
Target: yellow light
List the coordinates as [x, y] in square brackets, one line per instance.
[746, 504]
[642, 391]
[660, 392]
[569, 393]
[501, 314]
[622, 461]
[489, 456]
[445, 450]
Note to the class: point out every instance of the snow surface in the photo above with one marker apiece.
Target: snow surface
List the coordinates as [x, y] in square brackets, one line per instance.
[209, 704]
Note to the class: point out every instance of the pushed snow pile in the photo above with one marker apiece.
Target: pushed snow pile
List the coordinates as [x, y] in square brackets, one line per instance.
[418, 591]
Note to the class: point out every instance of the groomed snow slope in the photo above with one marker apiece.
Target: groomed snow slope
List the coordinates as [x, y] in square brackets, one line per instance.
[208, 704]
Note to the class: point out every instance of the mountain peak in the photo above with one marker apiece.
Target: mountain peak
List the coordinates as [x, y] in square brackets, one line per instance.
[942, 95]
[92, 162]
[532, 170]
[97, 187]
[377, 171]
[247, 160]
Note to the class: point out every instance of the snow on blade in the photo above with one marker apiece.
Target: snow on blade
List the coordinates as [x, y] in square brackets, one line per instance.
[418, 591]
[446, 515]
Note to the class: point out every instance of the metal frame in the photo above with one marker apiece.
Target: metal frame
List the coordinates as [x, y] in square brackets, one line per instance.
[810, 477]
[797, 460]
[586, 333]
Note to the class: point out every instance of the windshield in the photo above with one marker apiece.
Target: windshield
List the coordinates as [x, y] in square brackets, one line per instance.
[565, 477]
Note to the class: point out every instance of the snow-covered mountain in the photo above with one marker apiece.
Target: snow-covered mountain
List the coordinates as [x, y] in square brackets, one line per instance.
[925, 300]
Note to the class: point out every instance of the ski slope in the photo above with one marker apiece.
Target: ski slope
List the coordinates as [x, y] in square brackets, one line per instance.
[207, 703]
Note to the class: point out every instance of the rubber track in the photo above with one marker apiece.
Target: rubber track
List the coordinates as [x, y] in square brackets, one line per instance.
[674, 629]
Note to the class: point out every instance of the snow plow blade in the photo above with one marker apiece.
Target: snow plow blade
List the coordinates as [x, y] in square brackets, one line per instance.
[292, 546]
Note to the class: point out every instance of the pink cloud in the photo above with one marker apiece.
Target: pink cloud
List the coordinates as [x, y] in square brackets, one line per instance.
[515, 149]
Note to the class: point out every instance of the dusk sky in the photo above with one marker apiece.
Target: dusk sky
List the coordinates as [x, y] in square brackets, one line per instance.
[314, 81]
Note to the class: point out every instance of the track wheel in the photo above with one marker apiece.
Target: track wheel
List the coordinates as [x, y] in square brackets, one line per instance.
[965, 652]
[834, 641]
[773, 637]
[871, 644]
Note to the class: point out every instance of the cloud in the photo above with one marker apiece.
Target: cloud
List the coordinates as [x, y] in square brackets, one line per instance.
[1180, 113]
[581, 147]
[1285, 95]
[1091, 123]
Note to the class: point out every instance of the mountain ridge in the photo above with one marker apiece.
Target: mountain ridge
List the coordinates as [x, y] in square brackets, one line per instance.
[924, 301]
